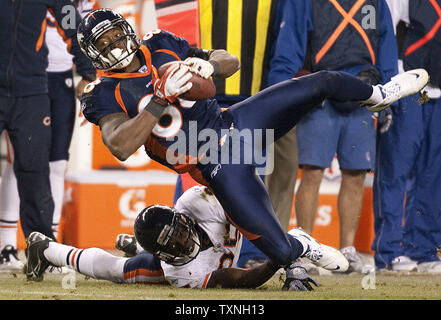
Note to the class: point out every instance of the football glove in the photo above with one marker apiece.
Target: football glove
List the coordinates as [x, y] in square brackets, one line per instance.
[173, 83]
[297, 279]
[199, 66]
[384, 119]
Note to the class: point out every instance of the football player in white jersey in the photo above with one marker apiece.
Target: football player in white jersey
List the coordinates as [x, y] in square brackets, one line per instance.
[62, 94]
[191, 245]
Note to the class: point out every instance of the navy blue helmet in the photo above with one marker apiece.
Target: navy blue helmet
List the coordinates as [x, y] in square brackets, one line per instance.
[117, 54]
[167, 234]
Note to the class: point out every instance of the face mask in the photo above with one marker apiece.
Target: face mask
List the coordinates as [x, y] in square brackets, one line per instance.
[117, 54]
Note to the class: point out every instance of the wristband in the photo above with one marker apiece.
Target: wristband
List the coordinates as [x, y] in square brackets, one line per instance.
[156, 106]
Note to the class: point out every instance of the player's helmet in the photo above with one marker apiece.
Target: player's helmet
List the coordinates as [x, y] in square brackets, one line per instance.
[167, 234]
[94, 25]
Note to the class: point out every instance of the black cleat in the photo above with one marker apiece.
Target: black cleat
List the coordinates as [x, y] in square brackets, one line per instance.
[9, 261]
[36, 263]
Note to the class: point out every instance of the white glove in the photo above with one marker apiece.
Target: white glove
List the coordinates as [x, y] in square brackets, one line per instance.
[199, 66]
[173, 83]
[384, 119]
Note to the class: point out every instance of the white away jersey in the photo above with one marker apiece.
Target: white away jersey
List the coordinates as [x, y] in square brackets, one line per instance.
[227, 240]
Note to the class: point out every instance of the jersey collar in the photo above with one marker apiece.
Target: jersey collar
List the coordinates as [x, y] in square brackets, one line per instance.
[145, 55]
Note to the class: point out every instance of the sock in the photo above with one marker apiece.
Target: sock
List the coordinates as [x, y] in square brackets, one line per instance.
[92, 262]
[58, 253]
[299, 248]
[298, 243]
[376, 96]
[9, 207]
[8, 234]
[57, 173]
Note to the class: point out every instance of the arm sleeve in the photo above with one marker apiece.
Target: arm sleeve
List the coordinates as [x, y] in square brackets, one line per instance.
[68, 19]
[387, 61]
[165, 47]
[290, 46]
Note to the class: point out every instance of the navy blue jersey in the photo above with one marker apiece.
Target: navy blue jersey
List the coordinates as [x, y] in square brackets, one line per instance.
[23, 52]
[130, 92]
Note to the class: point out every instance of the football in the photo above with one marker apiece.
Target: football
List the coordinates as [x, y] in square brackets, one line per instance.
[202, 88]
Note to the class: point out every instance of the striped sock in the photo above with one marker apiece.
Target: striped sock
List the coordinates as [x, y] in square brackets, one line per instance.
[8, 233]
[59, 254]
[92, 262]
[73, 259]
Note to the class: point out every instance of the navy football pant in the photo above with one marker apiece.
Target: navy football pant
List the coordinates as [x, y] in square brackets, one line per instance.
[409, 151]
[62, 101]
[27, 120]
[237, 187]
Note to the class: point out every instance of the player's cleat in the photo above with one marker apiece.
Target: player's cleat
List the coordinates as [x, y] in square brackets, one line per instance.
[9, 261]
[36, 263]
[400, 86]
[319, 254]
[127, 244]
[403, 264]
[356, 261]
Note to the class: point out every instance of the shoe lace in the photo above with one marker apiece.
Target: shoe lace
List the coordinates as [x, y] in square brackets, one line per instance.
[314, 254]
[392, 89]
[52, 268]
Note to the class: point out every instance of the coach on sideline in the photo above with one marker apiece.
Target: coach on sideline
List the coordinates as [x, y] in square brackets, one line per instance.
[24, 101]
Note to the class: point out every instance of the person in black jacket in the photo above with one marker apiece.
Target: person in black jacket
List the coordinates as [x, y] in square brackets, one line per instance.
[24, 101]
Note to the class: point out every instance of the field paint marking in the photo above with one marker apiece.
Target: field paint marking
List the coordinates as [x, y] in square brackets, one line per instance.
[62, 294]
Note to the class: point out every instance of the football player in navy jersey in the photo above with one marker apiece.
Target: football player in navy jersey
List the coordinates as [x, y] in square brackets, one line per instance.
[130, 103]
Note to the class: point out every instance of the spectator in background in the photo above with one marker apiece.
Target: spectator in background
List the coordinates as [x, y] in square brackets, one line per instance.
[329, 36]
[245, 30]
[281, 185]
[26, 113]
[411, 150]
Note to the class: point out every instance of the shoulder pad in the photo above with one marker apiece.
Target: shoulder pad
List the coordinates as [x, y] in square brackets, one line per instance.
[98, 99]
[91, 86]
[158, 34]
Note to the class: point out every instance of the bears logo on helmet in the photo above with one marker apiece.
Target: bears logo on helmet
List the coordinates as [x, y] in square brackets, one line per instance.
[168, 234]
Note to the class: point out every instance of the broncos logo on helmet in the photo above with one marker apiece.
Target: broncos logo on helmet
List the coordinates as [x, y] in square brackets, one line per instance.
[167, 234]
[93, 26]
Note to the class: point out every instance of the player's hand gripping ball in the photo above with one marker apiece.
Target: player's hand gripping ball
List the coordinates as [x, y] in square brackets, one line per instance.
[201, 88]
[171, 82]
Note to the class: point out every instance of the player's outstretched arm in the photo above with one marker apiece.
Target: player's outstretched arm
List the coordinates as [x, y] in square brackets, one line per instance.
[124, 135]
[242, 278]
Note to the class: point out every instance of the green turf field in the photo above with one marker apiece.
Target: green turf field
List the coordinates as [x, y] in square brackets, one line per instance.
[339, 287]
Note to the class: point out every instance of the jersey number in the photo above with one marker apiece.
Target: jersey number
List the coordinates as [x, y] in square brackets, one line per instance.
[174, 123]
